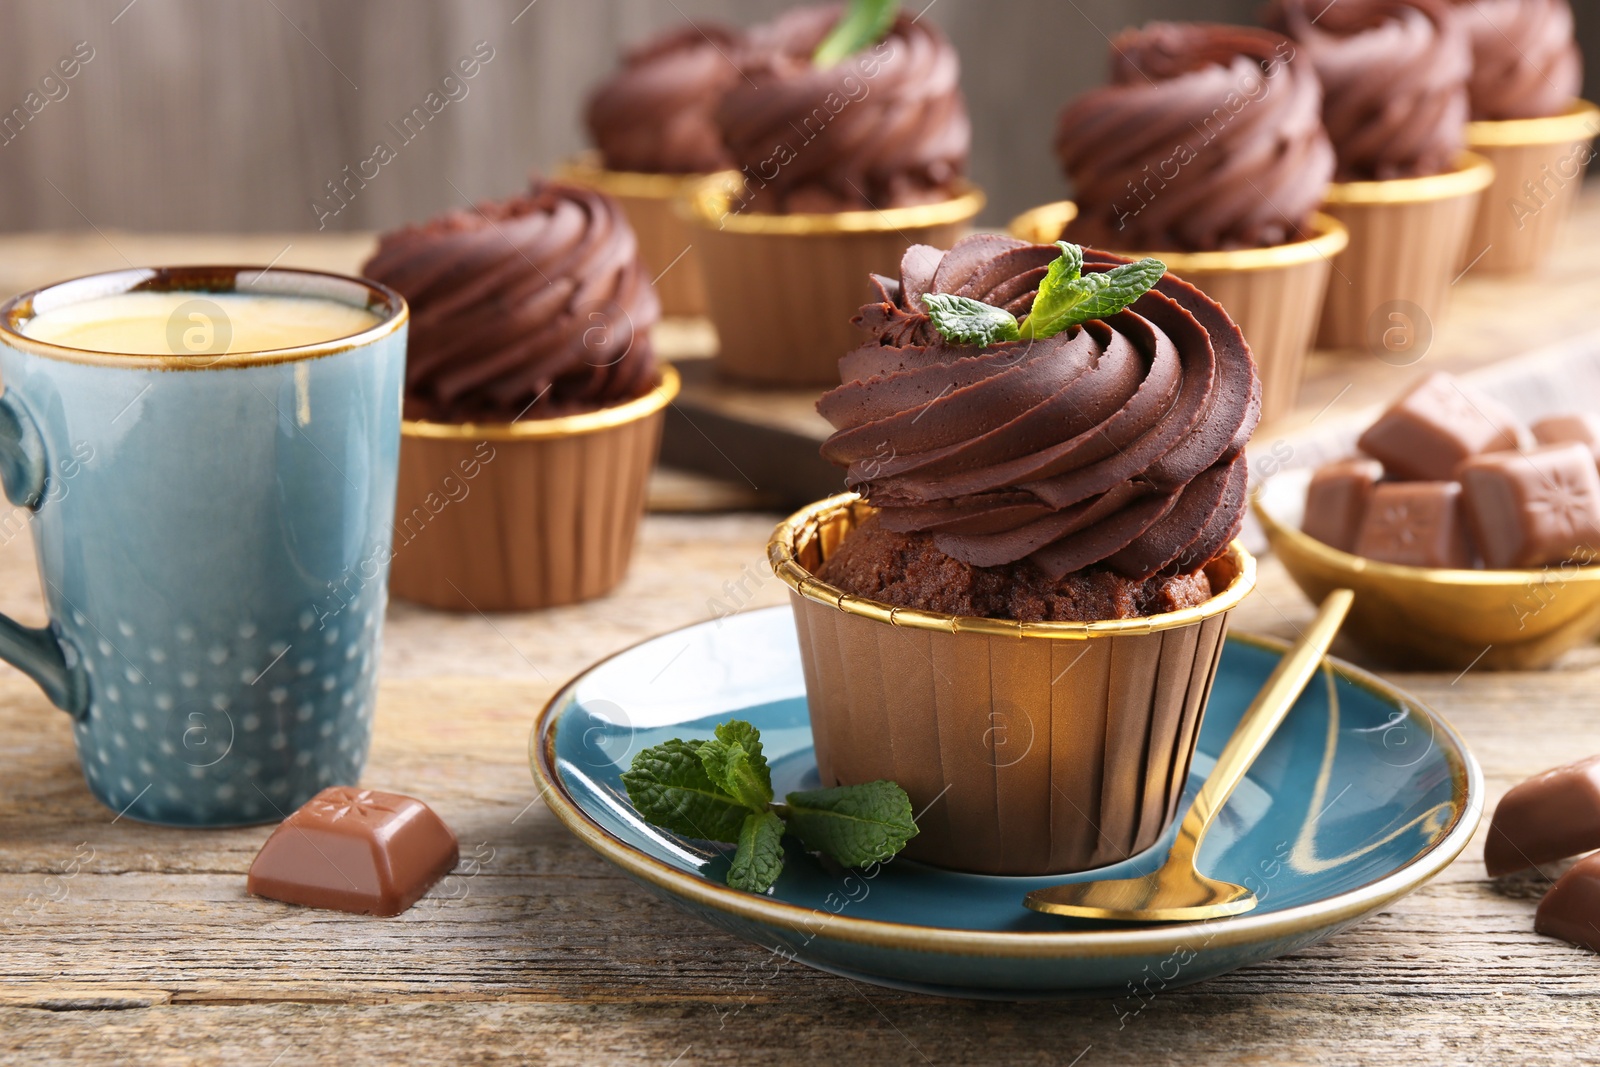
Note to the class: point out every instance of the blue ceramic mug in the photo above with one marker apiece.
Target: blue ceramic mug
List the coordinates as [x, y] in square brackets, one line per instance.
[213, 537]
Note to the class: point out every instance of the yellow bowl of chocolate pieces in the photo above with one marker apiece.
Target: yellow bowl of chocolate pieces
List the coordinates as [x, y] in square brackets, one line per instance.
[1470, 540]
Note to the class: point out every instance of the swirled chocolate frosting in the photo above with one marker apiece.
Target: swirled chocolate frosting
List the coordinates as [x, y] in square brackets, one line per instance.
[655, 114]
[1207, 137]
[528, 307]
[1394, 81]
[1525, 63]
[885, 128]
[1119, 442]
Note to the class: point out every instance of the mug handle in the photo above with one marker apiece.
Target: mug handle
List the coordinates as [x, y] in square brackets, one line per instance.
[40, 652]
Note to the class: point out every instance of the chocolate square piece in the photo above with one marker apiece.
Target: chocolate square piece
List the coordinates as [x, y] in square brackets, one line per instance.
[1536, 507]
[1417, 524]
[355, 850]
[1439, 423]
[1571, 910]
[1549, 817]
[1337, 499]
[1581, 429]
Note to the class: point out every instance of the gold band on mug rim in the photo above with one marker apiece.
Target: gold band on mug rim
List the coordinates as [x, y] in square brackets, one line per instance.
[1472, 174]
[19, 309]
[558, 426]
[1044, 224]
[1428, 861]
[587, 170]
[1580, 122]
[706, 204]
[805, 523]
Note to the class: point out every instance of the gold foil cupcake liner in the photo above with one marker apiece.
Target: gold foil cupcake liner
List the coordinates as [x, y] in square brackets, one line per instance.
[666, 246]
[1274, 294]
[523, 515]
[1538, 172]
[1407, 237]
[782, 289]
[1026, 748]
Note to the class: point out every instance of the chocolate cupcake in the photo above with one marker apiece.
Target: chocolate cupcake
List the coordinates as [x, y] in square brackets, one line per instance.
[653, 126]
[533, 400]
[1207, 148]
[1528, 121]
[1394, 77]
[838, 166]
[1079, 490]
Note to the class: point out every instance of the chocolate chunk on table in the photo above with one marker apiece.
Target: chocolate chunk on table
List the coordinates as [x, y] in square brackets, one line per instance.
[1439, 423]
[1571, 910]
[1532, 508]
[1337, 500]
[355, 850]
[1580, 429]
[1549, 817]
[1417, 524]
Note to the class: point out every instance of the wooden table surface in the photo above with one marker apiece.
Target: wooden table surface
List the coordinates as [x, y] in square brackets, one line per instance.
[134, 944]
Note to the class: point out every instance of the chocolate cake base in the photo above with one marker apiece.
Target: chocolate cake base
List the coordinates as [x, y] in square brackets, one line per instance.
[909, 571]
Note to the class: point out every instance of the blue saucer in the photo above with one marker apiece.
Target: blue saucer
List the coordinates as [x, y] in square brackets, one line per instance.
[1363, 795]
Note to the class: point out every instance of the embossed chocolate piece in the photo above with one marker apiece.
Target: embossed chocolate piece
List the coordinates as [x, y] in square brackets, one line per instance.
[1417, 524]
[355, 850]
[1580, 429]
[1337, 500]
[1549, 817]
[1441, 422]
[1571, 910]
[1532, 508]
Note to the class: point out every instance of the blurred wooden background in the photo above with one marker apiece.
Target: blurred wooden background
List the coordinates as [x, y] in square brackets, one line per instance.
[231, 115]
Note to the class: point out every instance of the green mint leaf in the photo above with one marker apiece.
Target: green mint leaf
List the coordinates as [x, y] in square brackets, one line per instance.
[964, 321]
[737, 731]
[855, 824]
[670, 788]
[863, 23]
[1068, 298]
[735, 773]
[759, 859]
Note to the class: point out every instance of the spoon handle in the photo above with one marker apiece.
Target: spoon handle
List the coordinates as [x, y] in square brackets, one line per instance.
[1261, 719]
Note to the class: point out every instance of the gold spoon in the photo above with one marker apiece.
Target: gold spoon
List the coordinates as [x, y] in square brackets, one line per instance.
[1177, 891]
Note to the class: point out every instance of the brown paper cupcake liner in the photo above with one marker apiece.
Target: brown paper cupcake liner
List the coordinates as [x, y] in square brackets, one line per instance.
[1406, 243]
[666, 245]
[525, 515]
[1273, 294]
[782, 289]
[1538, 171]
[1026, 748]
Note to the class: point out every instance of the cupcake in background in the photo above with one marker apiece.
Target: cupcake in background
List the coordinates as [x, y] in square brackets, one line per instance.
[849, 135]
[1394, 79]
[1528, 121]
[1206, 148]
[533, 400]
[1043, 543]
[653, 127]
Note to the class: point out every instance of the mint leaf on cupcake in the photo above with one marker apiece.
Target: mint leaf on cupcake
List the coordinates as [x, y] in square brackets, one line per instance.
[1066, 298]
[721, 790]
[855, 824]
[970, 322]
[863, 23]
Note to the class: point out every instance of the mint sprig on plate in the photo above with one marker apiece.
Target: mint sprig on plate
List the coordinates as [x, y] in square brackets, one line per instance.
[1067, 297]
[721, 790]
[863, 23]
